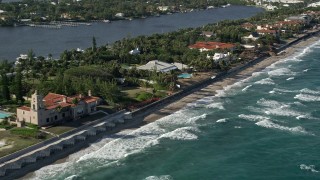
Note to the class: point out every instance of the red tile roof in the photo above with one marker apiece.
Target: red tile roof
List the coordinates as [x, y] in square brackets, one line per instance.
[267, 31]
[52, 101]
[25, 108]
[247, 25]
[212, 45]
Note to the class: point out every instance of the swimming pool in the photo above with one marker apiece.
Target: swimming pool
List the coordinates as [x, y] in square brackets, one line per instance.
[185, 75]
[3, 115]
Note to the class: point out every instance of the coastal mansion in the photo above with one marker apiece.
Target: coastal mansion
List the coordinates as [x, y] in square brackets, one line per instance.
[56, 107]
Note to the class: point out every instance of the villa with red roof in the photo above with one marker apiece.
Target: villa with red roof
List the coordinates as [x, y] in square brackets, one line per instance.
[55, 108]
[207, 46]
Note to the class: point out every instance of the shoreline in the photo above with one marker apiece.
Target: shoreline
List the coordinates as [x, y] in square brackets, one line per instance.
[155, 113]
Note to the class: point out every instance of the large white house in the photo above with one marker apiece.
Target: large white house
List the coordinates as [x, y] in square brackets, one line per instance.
[158, 66]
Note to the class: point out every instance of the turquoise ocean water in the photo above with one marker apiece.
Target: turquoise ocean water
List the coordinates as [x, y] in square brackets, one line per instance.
[264, 127]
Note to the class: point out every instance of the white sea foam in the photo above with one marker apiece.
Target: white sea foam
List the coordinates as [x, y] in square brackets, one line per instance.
[309, 91]
[303, 117]
[270, 124]
[290, 78]
[266, 81]
[283, 90]
[282, 112]
[237, 127]
[281, 72]
[269, 103]
[183, 133]
[72, 177]
[162, 177]
[217, 105]
[272, 92]
[246, 88]
[102, 154]
[306, 70]
[252, 117]
[224, 120]
[279, 109]
[257, 74]
[311, 168]
[307, 97]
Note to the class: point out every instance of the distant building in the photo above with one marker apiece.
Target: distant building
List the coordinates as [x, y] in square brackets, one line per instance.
[253, 37]
[219, 56]
[207, 46]
[304, 18]
[163, 8]
[207, 34]
[55, 108]
[267, 31]
[158, 66]
[248, 26]
[134, 51]
[120, 15]
[181, 66]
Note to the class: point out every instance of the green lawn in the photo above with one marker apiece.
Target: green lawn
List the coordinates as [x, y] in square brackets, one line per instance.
[132, 92]
[15, 142]
[60, 129]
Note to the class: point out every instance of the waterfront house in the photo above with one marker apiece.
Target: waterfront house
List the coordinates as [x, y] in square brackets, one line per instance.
[253, 37]
[159, 66]
[248, 26]
[207, 34]
[208, 46]
[304, 18]
[163, 8]
[219, 56]
[267, 31]
[180, 66]
[54, 108]
[119, 15]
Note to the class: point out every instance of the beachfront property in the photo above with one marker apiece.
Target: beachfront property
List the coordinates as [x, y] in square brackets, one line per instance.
[248, 26]
[159, 66]
[251, 37]
[54, 108]
[208, 46]
[260, 2]
[268, 31]
[207, 34]
[219, 56]
[304, 18]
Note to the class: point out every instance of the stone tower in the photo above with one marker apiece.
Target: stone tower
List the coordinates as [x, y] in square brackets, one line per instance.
[37, 109]
[36, 101]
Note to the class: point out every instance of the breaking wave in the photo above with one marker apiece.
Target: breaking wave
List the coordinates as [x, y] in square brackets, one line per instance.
[217, 105]
[266, 81]
[290, 78]
[163, 177]
[311, 168]
[224, 120]
[270, 124]
[246, 88]
[309, 91]
[252, 117]
[281, 72]
[307, 97]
